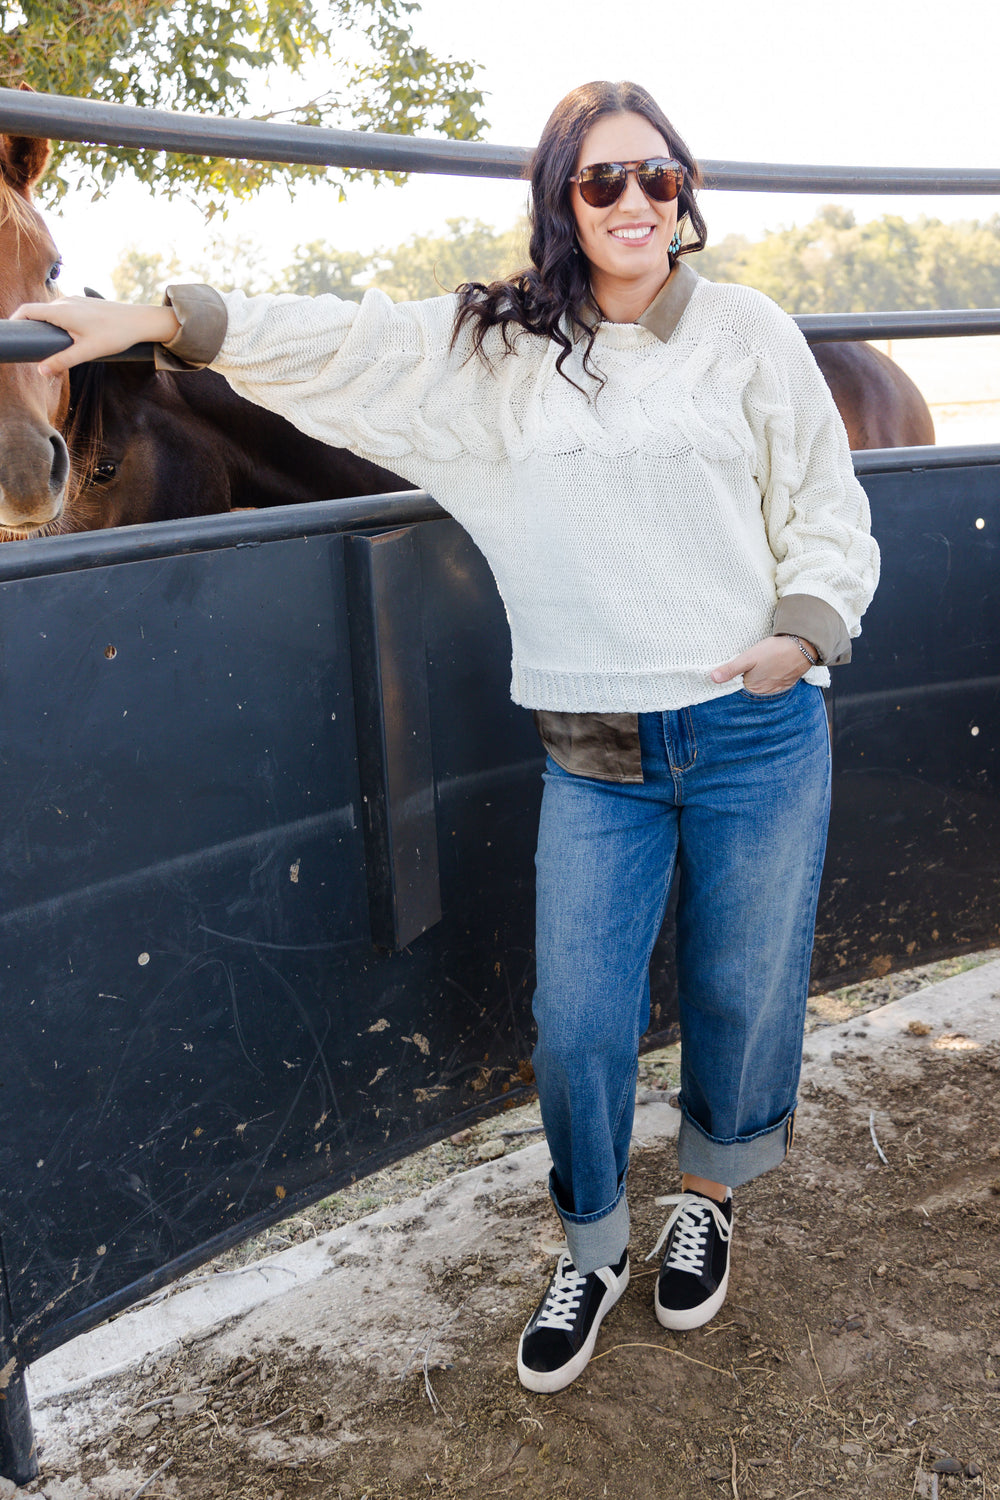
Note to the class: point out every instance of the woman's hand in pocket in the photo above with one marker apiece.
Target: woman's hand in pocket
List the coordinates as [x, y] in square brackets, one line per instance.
[773, 665]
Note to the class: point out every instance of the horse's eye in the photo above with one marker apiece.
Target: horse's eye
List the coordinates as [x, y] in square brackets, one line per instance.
[54, 271]
[105, 471]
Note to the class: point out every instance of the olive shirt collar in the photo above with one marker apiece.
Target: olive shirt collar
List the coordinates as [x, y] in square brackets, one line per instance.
[664, 312]
[606, 746]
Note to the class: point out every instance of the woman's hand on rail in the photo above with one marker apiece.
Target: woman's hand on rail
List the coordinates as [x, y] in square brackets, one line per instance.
[771, 666]
[99, 328]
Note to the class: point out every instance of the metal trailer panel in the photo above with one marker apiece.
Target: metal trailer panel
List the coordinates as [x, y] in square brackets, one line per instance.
[198, 1026]
[200, 1031]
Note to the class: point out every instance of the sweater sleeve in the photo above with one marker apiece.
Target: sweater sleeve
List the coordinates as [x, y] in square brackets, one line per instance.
[378, 377]
[815, 510]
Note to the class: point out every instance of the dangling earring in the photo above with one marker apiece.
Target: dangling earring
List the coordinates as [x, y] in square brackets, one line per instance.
[675, 244]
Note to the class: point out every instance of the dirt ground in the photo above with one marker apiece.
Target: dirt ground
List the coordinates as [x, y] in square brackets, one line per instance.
[858, 1352]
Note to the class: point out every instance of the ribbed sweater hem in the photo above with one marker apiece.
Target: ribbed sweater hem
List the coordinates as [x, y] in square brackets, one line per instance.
[620, 693]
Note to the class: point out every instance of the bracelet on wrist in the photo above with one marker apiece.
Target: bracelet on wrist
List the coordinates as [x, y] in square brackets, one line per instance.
[813, 661]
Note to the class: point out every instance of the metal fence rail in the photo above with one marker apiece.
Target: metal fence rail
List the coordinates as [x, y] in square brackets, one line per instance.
[939, 323]
[68, 119]
[24, 341]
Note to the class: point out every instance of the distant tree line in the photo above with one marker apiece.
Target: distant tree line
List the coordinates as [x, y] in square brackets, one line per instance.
[423, 266]
[832, 264]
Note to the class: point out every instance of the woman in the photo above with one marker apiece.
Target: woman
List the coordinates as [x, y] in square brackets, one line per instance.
[658, 477]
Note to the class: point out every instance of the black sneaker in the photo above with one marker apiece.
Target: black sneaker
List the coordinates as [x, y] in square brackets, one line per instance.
[562, 1331]
[691, 1286]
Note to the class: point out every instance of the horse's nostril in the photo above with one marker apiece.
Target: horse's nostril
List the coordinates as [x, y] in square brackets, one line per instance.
[59, 472]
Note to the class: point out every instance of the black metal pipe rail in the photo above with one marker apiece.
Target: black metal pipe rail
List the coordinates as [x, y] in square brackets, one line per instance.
[89, 120]
[949, 322]
[915, 460]
[38, 557]
[29, 342]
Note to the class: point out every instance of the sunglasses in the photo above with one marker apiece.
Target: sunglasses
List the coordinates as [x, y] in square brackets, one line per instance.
[661, 179]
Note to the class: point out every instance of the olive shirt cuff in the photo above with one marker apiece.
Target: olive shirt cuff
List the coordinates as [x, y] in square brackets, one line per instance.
[202, 315]
[817, 622]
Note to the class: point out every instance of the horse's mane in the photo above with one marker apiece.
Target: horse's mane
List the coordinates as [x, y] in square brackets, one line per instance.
[84, 439]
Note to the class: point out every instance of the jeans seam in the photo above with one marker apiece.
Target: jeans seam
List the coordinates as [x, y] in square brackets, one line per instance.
[691, 738]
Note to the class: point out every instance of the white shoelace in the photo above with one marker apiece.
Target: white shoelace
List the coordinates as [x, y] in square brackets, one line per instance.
[692, 1216]
[562, 1298]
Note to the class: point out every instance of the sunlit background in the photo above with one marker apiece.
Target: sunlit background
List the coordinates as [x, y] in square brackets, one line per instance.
[869, 82]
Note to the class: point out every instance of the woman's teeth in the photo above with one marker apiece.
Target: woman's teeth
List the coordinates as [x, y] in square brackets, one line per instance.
[632, 234]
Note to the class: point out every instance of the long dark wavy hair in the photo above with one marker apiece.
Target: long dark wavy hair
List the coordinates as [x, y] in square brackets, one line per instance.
[552, 297]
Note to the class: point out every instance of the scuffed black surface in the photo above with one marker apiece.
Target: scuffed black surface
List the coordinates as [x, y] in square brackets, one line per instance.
[198, 1032]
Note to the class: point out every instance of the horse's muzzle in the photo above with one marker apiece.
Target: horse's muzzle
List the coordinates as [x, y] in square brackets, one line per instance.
[34, 476]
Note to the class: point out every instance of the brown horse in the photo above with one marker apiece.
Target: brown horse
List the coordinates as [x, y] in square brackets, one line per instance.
[151, 446]
[34, 462]
[879, 404]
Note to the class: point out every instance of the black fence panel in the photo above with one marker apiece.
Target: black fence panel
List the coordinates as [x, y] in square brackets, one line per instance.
[198, 1027]
[913, 870]
[266, 833]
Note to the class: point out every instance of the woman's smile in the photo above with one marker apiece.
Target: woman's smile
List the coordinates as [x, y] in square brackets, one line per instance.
[633, 234]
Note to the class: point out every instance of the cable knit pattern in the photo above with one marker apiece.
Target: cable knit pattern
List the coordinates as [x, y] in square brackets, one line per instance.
[639, 535]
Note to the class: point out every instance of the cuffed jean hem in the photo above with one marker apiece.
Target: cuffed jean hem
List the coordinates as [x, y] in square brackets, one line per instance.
[595, 1240]
[732, 1162]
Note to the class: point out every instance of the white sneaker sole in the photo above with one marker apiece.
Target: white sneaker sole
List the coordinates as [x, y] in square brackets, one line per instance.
[682, 1318]
[547, 1381]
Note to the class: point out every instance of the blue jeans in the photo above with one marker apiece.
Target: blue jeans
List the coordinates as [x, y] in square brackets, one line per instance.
[736, 793]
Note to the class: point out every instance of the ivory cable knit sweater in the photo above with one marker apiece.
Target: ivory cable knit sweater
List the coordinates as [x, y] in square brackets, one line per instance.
[640, 534]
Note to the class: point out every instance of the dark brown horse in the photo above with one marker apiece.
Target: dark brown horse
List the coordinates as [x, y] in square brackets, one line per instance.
[153, 446]
[879, 404]
[34, 463]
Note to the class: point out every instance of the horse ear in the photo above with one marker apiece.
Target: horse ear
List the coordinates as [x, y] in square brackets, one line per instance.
[23, 158]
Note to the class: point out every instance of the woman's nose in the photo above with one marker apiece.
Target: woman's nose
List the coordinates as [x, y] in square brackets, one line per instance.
[633, 198]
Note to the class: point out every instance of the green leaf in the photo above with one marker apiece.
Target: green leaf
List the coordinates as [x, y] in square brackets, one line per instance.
[201, 57]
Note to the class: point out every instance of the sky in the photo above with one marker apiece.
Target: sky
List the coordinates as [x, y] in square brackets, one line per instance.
[867, 82]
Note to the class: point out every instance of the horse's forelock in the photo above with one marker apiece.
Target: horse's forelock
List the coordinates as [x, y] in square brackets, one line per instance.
[85, 431]
[16, 212]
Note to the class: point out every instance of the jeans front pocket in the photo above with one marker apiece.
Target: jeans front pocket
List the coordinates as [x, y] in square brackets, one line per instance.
[778, 697]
